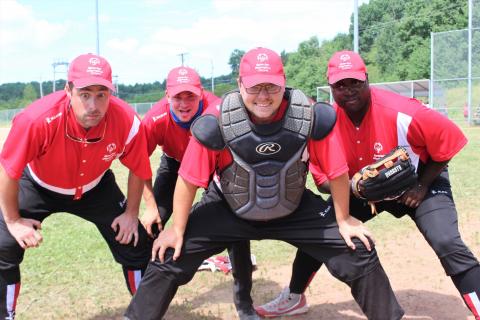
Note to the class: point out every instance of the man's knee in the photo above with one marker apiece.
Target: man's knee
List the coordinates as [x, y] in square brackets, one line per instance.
[353, 264]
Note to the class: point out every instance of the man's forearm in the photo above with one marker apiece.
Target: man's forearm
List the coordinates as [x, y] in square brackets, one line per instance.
[134, 193]
[431, 171]
[182, 203]
[148, 195]
[8, 197]
[340, 190]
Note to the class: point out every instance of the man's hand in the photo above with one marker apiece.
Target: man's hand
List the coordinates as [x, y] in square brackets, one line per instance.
[168, 238]
[149, 218]
[26, 232]
[127, 226]
[352, 227]
[414, 196]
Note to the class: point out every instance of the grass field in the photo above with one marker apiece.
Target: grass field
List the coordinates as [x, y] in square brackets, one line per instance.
[72, 275]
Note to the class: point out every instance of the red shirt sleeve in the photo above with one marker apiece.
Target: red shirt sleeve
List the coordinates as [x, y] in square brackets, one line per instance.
[198, 164]
[154, 123]
[25, 141]
[434, 133]
[135, 156]
[327, 159]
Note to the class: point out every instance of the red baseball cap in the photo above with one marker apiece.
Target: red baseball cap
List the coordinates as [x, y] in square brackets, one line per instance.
[183, 79]
[90, 69]
[346, 65]
[261, 65]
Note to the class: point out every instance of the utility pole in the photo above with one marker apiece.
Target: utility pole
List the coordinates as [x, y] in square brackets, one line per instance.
[182, 56]
[97, 25]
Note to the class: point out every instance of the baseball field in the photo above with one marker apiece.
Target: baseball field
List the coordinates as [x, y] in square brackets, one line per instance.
[72, 275]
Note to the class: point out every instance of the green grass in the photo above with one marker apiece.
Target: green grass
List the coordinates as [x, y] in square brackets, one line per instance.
[72, 275]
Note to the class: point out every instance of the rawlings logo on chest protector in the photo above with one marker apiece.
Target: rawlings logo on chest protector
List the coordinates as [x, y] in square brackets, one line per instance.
[268, 148]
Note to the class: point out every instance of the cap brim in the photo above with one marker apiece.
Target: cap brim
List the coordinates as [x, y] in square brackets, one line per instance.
[253, 80]
[347, 75]
[93, 81]
[174, 90]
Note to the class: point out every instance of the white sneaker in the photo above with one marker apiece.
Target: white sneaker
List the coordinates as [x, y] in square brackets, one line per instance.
[286, 304]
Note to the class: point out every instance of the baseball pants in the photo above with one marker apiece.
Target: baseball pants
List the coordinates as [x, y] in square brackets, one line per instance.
[436, 219]
[239, 253]
[101, 206]
[311, 228]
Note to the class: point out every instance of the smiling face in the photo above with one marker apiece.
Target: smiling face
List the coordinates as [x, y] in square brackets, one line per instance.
[184, 105]
[262, 100]
[352, 95]
[89, 104]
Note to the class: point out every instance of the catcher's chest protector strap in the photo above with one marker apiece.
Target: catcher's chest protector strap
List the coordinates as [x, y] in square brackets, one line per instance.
[267, 177]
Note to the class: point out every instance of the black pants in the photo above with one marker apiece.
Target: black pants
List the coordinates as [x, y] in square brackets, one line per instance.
[436, 218]
[101, 206]
[239, 253]
[212, 227]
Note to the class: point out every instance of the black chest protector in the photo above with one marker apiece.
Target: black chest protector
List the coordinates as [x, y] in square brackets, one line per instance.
[267, 177]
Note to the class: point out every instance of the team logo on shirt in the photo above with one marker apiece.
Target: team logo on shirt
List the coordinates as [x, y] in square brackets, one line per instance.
[159, 117]
[111, 154]
[50, 119]
[268, 148]
[378, 148]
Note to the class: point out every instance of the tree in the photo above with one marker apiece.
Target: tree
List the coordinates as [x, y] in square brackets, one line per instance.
[234, 61]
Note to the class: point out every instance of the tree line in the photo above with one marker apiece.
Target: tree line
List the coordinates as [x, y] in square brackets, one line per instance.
[394, 40]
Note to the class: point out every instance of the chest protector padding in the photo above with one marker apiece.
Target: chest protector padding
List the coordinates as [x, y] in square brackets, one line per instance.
[267, 177]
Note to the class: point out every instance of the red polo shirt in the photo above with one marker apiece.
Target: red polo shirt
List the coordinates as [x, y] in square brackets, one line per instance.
[39, 139]
[325, 157]
[394, 120]
[162, 130]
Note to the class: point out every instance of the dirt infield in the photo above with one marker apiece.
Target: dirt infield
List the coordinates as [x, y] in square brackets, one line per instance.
[422, 287]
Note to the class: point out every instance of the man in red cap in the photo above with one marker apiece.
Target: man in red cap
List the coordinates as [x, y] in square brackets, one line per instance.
[167, 124]
[56, 158]
[257, 145]
[370, 123]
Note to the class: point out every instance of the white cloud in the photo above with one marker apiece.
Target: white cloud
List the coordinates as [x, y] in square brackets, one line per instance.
[143, 39]
[19, 27]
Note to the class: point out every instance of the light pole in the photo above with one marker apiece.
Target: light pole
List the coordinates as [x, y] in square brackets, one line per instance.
[213, 78]
[115, 81]
[55, 65]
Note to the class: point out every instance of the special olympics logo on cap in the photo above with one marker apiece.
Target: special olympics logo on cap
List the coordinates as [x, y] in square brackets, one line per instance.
[182, 72]
[262, 57]
[344, 57]
[94, 61]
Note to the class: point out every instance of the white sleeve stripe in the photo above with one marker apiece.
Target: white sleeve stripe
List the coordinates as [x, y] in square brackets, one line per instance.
[403, 122]
[133, 130]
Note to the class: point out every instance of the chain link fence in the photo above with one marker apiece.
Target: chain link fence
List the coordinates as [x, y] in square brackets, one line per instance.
[450, 72]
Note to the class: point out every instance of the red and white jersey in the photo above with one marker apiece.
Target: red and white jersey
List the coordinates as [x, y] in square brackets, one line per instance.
[162, 130]
[393, 120]
[327, 160]
[44, 138]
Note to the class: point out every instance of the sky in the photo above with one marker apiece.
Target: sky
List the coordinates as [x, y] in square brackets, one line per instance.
[143, 39]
